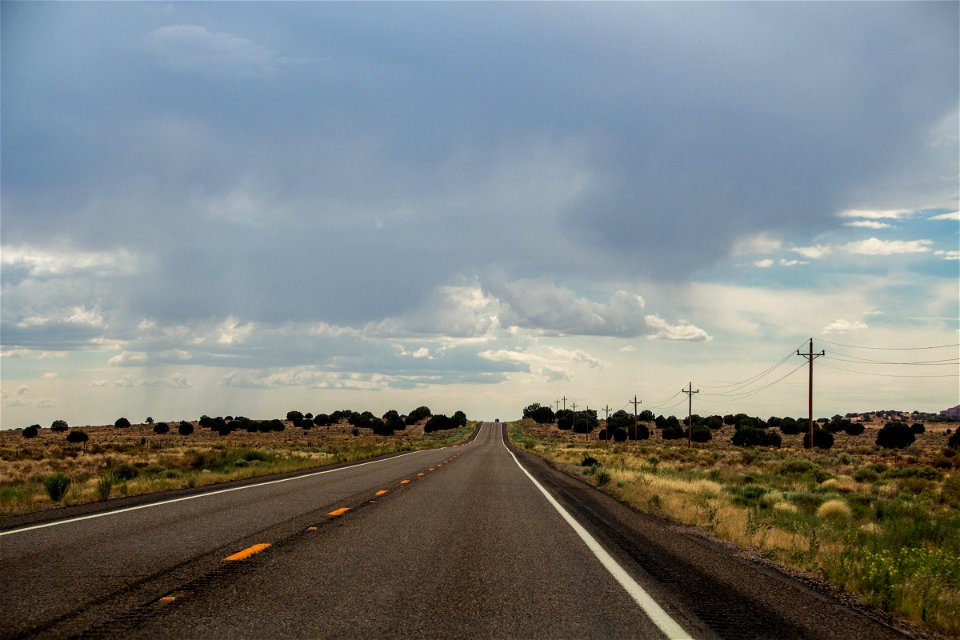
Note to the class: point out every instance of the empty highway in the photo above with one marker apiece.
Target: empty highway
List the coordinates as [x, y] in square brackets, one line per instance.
[472, 541]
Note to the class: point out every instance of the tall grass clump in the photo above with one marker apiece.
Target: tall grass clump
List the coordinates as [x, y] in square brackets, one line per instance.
[56, 486]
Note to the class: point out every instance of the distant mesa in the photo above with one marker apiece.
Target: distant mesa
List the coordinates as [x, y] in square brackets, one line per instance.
[951, 413]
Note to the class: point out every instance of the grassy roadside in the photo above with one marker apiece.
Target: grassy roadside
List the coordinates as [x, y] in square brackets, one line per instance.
[885, 529]
[45, 473]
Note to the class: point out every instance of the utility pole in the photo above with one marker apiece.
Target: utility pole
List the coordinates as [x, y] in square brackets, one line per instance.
[564, 403]
[810, 356]
[558, 405]
[606, 412]
[689, 391]
[635, 402]
[574, 405]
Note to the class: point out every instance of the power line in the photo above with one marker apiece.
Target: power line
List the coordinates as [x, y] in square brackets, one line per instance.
[891, 375]
[853, 346]
[856, 359]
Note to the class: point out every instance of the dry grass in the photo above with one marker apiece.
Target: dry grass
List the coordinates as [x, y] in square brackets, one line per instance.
[133, 461]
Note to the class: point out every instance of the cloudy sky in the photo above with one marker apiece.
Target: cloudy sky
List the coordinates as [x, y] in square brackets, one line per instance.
[245, 208]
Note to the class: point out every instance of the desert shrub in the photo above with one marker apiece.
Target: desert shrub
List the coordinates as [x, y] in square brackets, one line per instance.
[895, 435]
[438, 422]
[582, 423]
[56, 486]
[800, 467]
[589, 461]
[538, 413]
[701, 433]
[121, 423]
[926, 473]
[954, 441]
[789, 426]
[673, 433]
[77, 437]
[620, 435]
[950, 492]
[917, 428]
[185, 428]
[753, 437]
[381, 428]
[747, 495]
[822, 439]
[161, 428]
[602, 477]
[105, 486]
[294, 416]
[854, 428]
[322, 420]
[642, 432]
[126, 471]
[417, 415]
[31, 432]
[942, 462]
[59, 426]
[713, 422]
[835, 509]
[866, 475]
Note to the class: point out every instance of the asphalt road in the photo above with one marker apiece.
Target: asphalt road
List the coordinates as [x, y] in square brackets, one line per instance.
[459, 542]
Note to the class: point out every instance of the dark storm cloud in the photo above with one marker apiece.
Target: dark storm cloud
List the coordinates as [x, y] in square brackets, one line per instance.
[342, 161]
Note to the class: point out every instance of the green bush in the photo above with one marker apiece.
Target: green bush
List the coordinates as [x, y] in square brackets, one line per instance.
[185, 428]
[77, 437]
[701, 433]
[59, 426]
[954, 441]
[602, 477]
[866, 475]
[121, 423]
[822, 439]
[895, 435]
[620, 435]
[753, 437]
[855, 428]
[589, 461]
[31, 432]
[125, 471]
[161, 428]
[56, 486]
[105, 486]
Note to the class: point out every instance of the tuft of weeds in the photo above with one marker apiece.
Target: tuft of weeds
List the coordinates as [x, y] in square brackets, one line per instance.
[56, 486]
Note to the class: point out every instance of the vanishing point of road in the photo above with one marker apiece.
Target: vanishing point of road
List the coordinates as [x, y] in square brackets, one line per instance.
[471, 541]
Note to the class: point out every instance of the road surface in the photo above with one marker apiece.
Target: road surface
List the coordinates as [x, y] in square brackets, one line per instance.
[472, 541]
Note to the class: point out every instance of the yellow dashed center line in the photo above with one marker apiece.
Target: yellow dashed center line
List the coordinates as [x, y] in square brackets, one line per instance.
[249, 551]
[168, 598]
[420, 475]
[339, 512]
[381, 492]
[404, 482]
[430, 469]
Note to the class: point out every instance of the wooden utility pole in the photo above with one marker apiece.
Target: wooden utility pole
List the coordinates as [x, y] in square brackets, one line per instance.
[689, 391]
[558, 405]
[635, 402]
[606, 412]
[810, 356]
[564, 403]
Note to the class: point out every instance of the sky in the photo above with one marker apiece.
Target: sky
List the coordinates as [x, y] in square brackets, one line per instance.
[249, 208]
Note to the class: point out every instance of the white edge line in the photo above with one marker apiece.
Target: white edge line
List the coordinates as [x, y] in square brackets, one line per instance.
[654, 611]
[209, 493]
